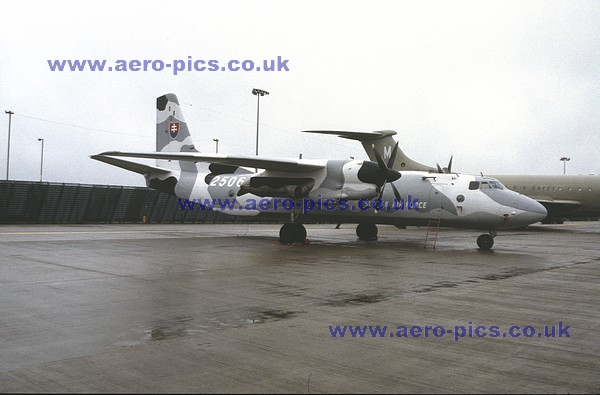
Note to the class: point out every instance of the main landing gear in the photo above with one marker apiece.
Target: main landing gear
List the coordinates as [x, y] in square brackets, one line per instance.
[486, 241]
[367, 231]
[292, 232]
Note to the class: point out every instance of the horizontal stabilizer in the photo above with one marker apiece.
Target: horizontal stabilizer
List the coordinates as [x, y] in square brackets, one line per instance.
[291, 165]
[382, 142]
[360, 136]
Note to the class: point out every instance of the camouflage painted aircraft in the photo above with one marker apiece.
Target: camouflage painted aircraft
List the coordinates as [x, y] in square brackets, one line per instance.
[563, 196]
[341, 191]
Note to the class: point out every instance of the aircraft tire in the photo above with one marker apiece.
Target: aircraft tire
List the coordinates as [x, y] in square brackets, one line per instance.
[485, 241]
[366, 232]
[292, 233]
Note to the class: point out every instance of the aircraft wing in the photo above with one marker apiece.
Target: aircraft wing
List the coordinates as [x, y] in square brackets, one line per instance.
[567, 203]
[559, 207]
[131, 166]
[281, 164]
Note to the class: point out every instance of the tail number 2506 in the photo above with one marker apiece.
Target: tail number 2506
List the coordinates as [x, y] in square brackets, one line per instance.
[230, 181]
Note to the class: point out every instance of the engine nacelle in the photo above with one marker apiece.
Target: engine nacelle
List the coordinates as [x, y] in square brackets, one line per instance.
[357, 192]
[277, 187]
[353, 187]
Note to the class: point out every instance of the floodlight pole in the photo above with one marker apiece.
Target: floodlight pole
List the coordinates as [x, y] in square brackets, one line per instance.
[258, 93]
[565, 160]
[10, 113]
[42, 162]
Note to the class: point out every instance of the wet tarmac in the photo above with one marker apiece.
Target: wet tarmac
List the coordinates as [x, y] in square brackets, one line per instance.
[225, 308]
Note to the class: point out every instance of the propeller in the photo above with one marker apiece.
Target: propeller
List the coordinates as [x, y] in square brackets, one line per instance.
[380, 173]
[445, 170]
[391, 175]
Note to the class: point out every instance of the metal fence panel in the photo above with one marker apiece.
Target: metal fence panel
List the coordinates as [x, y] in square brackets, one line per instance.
[62, 203]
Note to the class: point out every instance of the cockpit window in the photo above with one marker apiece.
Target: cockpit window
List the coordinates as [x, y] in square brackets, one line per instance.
[496, 185]
[484, 185]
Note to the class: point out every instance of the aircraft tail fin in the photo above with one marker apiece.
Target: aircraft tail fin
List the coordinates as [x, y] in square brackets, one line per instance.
[172, 132]
[384, 143]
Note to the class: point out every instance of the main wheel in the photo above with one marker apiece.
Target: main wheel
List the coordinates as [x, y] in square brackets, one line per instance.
[485, 242]
[292, 233]
[366, 231]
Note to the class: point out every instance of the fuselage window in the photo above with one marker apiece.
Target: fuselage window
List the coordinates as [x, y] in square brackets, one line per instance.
[474, 185]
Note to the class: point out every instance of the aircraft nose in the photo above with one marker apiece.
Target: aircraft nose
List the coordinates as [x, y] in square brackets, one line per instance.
[533, 210]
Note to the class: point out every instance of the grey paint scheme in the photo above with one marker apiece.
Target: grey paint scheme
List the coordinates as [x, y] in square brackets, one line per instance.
[168, 111]
[334, 179]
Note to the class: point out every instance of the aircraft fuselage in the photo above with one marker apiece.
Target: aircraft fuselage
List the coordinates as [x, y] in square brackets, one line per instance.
[457, 200]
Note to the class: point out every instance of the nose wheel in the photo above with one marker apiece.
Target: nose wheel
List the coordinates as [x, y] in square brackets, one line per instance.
[485, 241]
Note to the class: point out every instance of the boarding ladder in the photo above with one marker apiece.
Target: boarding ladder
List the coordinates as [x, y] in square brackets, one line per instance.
[433, 228]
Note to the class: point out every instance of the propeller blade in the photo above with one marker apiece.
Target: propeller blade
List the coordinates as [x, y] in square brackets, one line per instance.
[383, 175]
[375, 210]
[380, 162]
[387, 173]
[445, 170]
[381, 192]
[396, 193]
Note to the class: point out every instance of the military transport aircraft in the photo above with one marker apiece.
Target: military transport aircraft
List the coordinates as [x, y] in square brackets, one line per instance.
[564, 196]
[341, 191]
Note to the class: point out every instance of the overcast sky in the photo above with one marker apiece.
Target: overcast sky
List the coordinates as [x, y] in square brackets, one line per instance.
[507, 87]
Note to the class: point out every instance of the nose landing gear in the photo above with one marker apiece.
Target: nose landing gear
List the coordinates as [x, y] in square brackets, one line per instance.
[486, 241]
